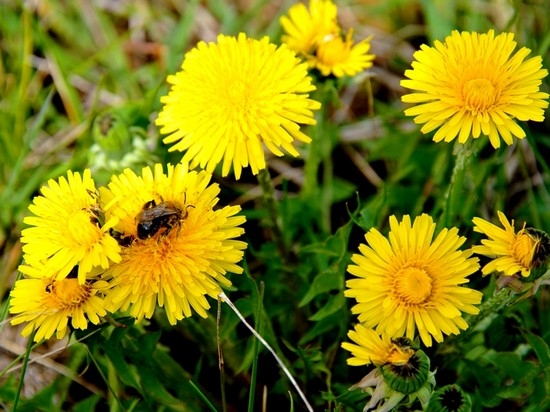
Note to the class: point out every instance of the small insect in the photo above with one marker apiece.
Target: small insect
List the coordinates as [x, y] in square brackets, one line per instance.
[155, 217]
[121, 238]
[96, 214]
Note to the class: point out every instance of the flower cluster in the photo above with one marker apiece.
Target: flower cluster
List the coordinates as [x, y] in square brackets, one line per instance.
[157, 239]
[315, 34]
[411, 285]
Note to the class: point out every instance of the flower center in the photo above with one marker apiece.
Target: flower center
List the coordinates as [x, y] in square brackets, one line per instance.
[479, 95]
[333, 50]
[523, 249]
[413, 285]
[67, 293]
[239, 104]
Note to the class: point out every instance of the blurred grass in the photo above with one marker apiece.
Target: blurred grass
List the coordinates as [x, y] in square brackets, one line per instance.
[64, 63]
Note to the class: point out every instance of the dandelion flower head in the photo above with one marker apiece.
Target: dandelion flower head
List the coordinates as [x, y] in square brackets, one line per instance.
[511, 252]
[48, 304]
[185, 249]
[67, 228]
[233, 97]
[307, 28]
[412, 282]
[316, 35]
[473, 84]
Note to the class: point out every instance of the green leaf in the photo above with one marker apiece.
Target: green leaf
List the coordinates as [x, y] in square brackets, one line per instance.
[329, 279]
[334, 304]
[87, 405]
[125, 370]
[540, 347]
[332, 278]
[321, 327]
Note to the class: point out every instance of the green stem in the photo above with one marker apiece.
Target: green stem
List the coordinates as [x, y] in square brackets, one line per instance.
[323, 139]
[327, 194]
[23, 371]
[488, 311]
[313, 161]
[491, 308]
[256, 349]
[268, 190]
[221, 362]
[463, 153]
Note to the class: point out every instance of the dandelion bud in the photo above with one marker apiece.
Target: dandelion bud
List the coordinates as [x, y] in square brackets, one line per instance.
[410, 376]
[450, 398]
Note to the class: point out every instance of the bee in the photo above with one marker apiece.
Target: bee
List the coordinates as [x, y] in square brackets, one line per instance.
[156, 217]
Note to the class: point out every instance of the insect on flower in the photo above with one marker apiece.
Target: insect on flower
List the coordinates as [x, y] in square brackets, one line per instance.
[155, 217]
[122, 239]
[95, 211]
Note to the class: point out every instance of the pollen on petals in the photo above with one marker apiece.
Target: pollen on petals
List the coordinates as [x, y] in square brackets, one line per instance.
[186, 246]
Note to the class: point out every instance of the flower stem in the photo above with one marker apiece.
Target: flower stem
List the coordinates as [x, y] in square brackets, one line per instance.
[488, 311]
[491, 308]
[268, 190]
[221, 362]
[463, 153]
[23, 370]
[256, 350]
[324, 137]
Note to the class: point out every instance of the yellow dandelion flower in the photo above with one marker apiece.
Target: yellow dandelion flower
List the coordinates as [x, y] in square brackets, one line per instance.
[341, 57]
[67, 229]
[412, 283]
[371, 347]
[232, 97]
[47, 304]
[316, 35]
[511, 252]
[178, 246]
[472, 84]
[306, 29]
